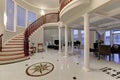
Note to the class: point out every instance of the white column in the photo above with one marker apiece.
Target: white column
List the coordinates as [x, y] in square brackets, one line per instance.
[66, 40]
[86, 42]
[72, 39]
[59, 28]
[111, 37]
[79, 35]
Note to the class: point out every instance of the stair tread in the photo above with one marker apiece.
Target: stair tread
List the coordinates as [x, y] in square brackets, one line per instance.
[11, 50]
[12, 47]
[15, 43]
[5, 54]
[15, 52]
[6, 59]
[13, 56]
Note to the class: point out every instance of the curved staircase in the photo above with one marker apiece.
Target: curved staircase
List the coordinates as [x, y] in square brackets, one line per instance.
[13, 50]
[17, 48]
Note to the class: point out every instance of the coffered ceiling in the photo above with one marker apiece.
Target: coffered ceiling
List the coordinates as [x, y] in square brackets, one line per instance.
[107, 17]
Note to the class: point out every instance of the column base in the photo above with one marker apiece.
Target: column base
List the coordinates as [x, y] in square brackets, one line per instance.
[65, 56]
[86, 69]
[59, 52]
[72, 51]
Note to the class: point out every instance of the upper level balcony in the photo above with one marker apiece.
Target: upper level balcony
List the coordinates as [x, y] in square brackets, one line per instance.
[69, 7]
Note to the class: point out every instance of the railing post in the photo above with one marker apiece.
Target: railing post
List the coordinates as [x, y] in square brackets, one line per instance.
[1, 42]
[26, 47]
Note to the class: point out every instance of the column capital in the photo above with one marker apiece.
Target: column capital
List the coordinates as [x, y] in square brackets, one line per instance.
[86, 14]
[61, 24]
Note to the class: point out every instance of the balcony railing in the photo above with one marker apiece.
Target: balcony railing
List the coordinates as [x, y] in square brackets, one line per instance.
[63, 3]
[48, 18]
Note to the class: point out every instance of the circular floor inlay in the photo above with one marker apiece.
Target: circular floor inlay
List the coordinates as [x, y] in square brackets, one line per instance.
[40, 69]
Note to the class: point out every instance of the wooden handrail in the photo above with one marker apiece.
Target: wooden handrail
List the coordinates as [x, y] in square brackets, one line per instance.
[1, 35]
[1, 42]
[48, 18]
[63, 3]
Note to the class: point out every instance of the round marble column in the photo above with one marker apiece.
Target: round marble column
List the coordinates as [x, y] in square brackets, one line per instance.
[86, 42]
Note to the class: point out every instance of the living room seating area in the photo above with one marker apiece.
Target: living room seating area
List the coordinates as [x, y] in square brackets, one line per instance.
[55, 45]
[105, 50]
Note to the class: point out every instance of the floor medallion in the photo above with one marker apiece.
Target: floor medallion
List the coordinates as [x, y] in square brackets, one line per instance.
[40, 69]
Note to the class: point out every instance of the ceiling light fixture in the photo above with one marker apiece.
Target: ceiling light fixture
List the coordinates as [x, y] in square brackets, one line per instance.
[42, 12]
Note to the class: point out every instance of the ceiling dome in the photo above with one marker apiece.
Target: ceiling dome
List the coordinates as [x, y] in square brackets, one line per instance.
[44, 4]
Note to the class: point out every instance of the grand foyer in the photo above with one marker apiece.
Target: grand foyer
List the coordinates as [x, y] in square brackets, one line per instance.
[66, 63]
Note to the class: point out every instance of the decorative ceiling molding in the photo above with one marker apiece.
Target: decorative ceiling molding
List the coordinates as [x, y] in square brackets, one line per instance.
[41, 8]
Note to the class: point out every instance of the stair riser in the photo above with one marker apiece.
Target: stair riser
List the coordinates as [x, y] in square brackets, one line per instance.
[15, 41]
[13, 61]
[5, 57]
[5, 49]
[12, 52]
[14, 46]
[18, 39]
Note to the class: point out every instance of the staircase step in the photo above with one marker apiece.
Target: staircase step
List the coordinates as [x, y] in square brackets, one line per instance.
[15, 41]
[5, 49]
[11, 50]
[13, 60]
[19, 37]
[14, 44]
[9, 47]
[11, 56]
[15, 52]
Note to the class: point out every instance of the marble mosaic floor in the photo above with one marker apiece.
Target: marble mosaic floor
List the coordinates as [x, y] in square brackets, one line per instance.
[65, 68]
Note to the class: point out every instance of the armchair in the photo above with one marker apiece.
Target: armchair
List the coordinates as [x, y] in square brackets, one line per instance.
[105, 50]
[115, 49]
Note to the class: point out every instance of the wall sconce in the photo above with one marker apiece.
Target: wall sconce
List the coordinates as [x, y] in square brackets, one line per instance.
[5, 19]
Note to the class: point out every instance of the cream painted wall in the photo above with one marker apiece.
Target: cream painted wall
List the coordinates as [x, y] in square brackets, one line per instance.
[37, 36]
[50, 35]
[43, 35]
[2, 9]
[7, 34]
[92, 38]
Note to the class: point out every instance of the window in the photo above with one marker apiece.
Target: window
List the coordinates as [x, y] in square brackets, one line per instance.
[75, 35]
[107, 38]
[31, 17]
[82, 37]
[116, 36]
[21, 16]
[10, 15]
